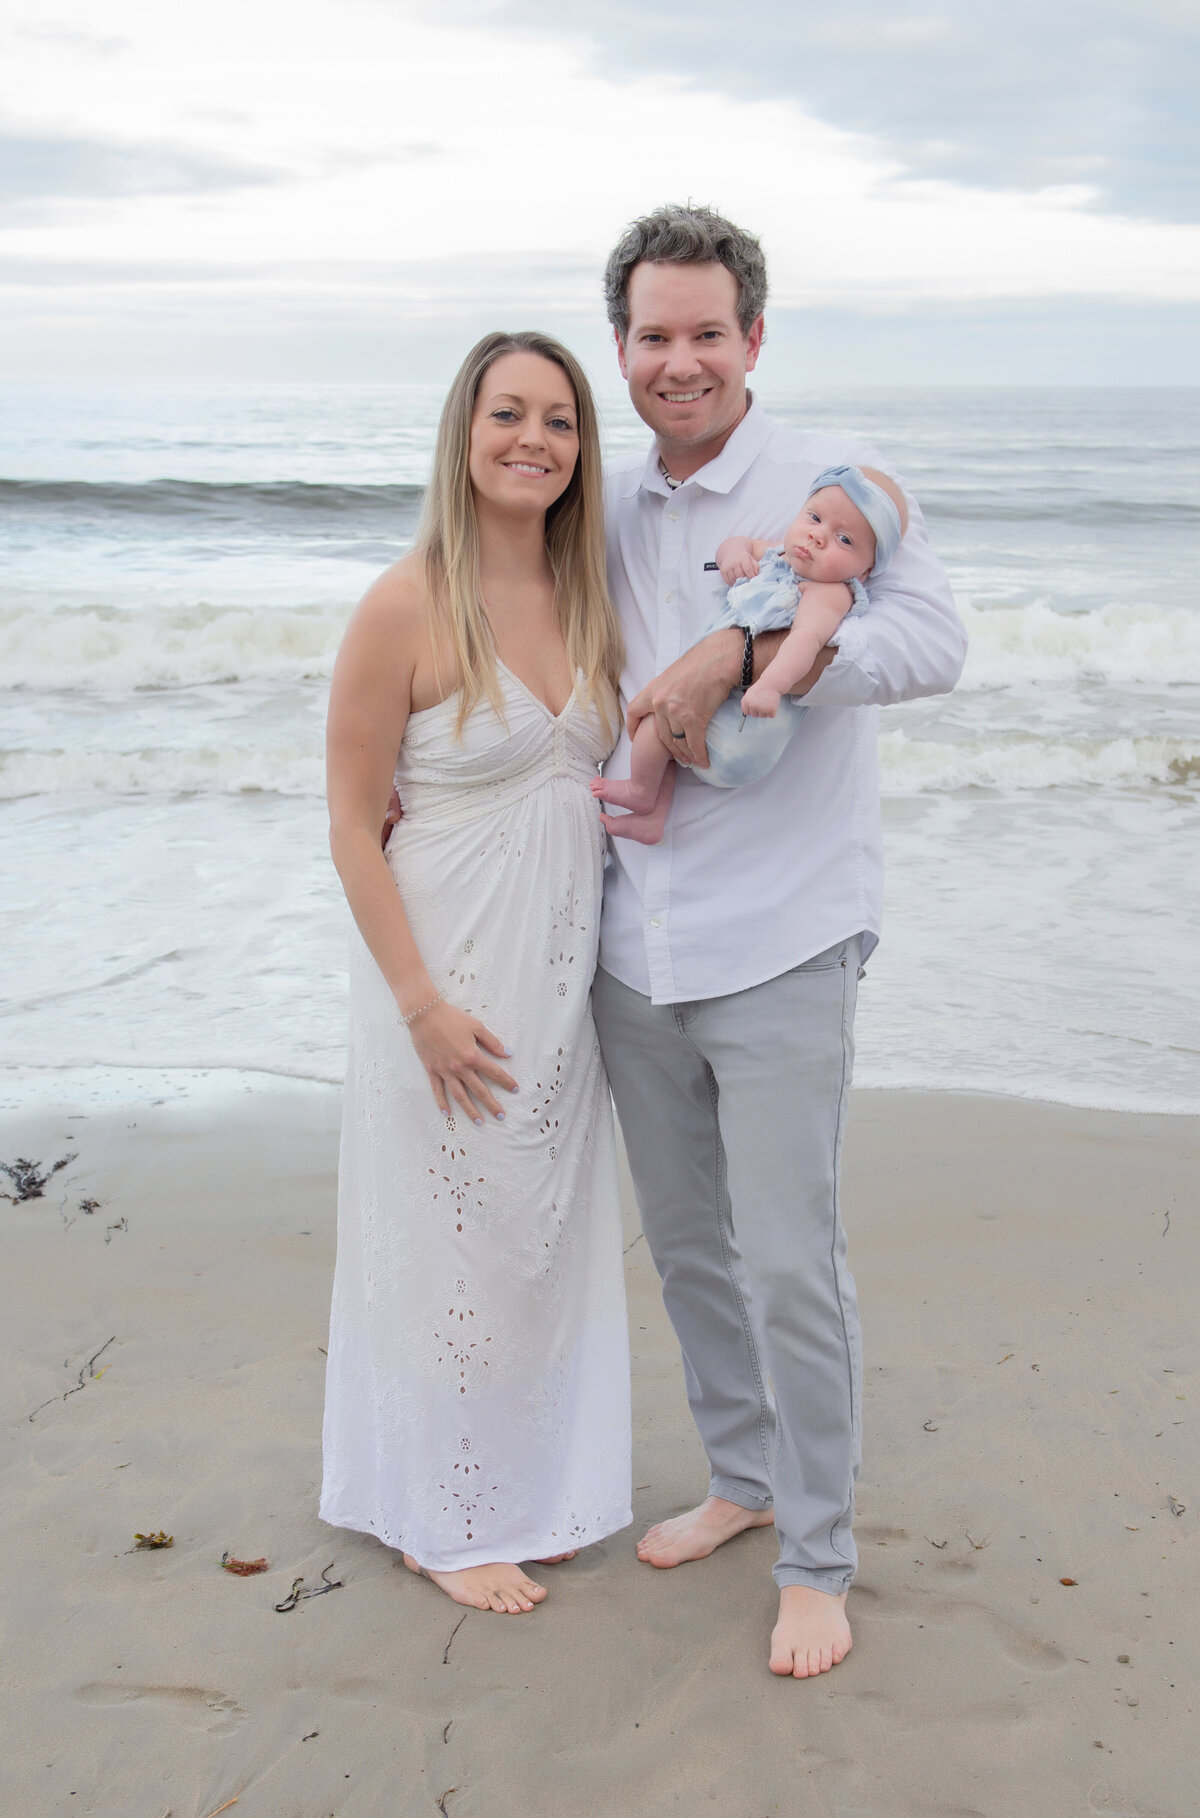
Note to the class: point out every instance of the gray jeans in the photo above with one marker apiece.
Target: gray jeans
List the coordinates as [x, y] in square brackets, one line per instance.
[733, 1111]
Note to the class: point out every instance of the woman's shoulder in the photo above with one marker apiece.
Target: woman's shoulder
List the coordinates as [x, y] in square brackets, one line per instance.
[399, 597]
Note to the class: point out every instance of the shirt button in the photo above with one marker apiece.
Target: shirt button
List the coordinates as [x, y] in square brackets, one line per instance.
[654, 922]
[674, 516]
[668, 597]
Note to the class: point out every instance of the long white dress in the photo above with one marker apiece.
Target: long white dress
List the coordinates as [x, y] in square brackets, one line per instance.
[477, 1393]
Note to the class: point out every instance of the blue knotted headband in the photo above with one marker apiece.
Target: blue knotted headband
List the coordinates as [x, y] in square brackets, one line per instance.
[875, 505]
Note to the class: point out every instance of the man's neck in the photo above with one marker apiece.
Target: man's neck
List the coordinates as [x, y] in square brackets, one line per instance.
[680, 463]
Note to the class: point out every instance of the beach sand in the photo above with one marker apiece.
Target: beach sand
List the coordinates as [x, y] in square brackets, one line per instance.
[1028, 1278]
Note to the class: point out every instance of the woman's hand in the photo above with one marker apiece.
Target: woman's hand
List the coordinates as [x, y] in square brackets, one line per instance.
[456, 1052]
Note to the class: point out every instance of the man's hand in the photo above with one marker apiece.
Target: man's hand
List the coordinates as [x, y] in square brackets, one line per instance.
[684, 697]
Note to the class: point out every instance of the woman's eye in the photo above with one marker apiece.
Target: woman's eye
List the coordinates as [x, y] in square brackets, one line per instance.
[562, 423]
[504, 414]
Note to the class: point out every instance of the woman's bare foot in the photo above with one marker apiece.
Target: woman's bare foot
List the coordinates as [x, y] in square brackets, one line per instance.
[500, 1587]
[700, 1532]
[812, 1634]
[559, 1558]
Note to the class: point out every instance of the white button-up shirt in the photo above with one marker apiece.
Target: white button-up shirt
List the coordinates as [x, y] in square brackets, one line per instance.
[750, 882]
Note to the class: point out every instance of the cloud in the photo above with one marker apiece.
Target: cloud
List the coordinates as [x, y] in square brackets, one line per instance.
[40, 168]
[992, 93]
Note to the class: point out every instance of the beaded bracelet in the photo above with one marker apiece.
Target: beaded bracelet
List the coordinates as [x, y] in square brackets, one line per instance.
[414, 1014]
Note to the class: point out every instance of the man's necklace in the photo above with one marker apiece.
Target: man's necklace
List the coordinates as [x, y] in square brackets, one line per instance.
[662, 468]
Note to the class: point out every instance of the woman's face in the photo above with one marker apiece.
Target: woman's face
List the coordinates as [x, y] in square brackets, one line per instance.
[524, 434]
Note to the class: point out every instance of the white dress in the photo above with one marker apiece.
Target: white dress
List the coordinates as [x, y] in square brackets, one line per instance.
[477, 1393]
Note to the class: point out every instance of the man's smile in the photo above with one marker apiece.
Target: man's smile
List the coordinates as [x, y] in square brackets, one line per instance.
[682, 397]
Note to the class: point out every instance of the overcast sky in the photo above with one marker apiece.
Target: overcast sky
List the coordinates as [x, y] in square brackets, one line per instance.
[967, 191]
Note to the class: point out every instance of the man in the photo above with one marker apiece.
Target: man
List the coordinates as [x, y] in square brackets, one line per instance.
[730, 954]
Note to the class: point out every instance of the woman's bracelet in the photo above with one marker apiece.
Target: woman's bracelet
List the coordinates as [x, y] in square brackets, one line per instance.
[414, 1014]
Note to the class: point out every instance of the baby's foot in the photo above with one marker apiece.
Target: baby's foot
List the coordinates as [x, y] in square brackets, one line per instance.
[500, 1587]
[647, 829]
[761, 702]
[623, 794]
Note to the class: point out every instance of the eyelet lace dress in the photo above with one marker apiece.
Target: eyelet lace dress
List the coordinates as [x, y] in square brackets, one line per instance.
[477, 1393]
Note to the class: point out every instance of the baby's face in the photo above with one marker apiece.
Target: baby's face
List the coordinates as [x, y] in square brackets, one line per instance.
[830, 540]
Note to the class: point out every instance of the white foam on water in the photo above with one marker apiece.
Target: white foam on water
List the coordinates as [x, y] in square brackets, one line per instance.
[89, 647]
[280, 770]
[93, 648]
[909, 766]
[1015, 645]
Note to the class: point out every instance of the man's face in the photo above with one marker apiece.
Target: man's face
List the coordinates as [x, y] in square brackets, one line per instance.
[686, 358]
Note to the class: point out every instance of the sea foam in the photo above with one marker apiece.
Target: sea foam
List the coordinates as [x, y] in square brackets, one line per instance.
[103, 648]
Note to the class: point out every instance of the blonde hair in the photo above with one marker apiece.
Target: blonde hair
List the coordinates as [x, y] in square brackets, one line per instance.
[448, 543]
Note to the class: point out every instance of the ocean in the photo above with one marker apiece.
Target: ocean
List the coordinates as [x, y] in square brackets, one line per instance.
[177, 566]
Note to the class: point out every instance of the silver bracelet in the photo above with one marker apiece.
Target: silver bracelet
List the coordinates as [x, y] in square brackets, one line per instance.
[414, 1014]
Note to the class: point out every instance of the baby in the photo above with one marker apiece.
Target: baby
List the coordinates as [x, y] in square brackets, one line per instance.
[848, 530]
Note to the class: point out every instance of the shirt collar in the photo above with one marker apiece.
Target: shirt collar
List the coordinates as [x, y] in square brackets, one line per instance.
[724, 471]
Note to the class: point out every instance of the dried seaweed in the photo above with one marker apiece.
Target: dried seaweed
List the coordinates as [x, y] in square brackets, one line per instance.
[242, 1568]
[296, 1595]
[29, 1178]
[149, 1543]
[88, 1373]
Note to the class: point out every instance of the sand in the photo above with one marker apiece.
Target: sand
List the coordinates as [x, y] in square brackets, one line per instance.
[1028, 1276]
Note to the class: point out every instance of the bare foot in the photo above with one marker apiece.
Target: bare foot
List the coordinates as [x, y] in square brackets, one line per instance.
[700, 1532]
[500, 1587]
[624, 794]
[812, 1633]
[559, 1558]
[647, 829]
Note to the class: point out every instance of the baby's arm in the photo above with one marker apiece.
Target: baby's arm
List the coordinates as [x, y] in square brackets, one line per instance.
[648, 763]
[822, 607]
[738, 558]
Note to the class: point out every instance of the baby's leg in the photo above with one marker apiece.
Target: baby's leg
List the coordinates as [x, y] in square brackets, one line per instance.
[648, 764]
[646, 828]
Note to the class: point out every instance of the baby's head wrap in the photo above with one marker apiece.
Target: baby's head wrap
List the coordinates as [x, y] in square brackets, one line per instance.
[875, 505]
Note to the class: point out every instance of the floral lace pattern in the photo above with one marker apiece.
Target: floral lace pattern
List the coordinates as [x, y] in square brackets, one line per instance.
[477, 1402]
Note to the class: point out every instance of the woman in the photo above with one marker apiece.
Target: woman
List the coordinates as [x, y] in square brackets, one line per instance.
[477, 1410]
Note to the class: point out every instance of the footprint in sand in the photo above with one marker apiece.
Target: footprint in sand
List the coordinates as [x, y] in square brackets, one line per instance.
[191, 1703]
[359, 1691]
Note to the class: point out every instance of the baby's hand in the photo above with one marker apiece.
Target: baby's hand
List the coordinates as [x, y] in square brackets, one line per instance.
[735, 559]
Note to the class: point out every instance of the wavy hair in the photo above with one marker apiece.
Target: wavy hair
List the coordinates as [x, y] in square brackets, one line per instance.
[448, 542]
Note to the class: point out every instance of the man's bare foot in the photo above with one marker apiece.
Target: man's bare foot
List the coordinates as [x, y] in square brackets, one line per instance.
[500, 1587]
[700, 1532]
[812, 1633]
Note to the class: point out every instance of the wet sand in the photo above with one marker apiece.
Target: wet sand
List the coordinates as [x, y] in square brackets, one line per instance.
[1028, 1279]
